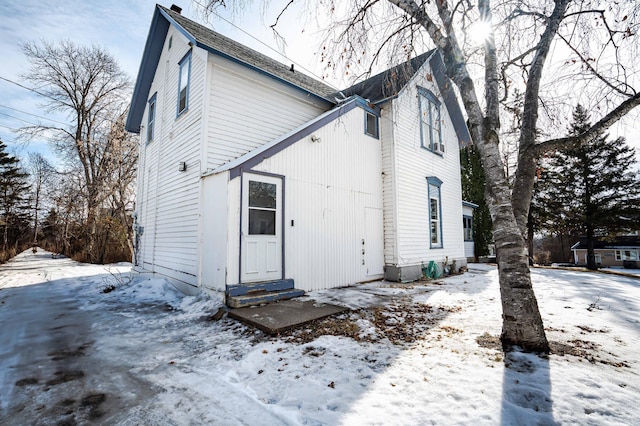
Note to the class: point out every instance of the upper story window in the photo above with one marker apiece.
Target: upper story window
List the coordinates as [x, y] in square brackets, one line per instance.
[183, 83]
[430, 123]
[371, 124]
[435, 212]
[151, 118]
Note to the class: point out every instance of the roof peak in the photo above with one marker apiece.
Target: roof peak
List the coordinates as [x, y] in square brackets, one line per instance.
[217, 43]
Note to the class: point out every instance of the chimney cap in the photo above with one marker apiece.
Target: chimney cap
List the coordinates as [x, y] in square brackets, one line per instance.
[176, 9]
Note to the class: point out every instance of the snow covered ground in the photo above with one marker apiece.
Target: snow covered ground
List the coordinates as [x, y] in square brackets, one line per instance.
[405, 355]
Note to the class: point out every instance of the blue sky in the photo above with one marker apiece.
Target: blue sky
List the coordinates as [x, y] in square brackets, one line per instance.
[121, 28]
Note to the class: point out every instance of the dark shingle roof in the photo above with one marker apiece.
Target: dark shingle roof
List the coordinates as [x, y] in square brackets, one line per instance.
[615, 243]
[217, 43]
[387, 83]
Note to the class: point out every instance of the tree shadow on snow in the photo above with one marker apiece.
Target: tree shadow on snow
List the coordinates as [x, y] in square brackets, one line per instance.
[526, 390]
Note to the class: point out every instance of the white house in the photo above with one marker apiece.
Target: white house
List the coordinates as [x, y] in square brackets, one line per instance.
[467, 229]
[254, 176]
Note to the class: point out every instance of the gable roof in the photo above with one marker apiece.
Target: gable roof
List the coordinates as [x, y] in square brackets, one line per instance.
[389, 83]
[378, 88]
[207, 39]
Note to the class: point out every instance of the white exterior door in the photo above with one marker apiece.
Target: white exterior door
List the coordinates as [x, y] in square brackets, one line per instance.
[261, 228]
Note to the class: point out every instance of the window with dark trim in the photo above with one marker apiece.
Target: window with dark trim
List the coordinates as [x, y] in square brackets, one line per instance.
[184, 78]
[430, 121]
[467, 223]
[371, 124]
[151, 118]
[435, 212]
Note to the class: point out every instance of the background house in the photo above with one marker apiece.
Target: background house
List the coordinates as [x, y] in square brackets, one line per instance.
[251, 172]
[622, 251]
[467, 230]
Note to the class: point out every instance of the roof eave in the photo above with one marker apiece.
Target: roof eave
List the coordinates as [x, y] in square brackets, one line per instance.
[450, 100]
[146, 72]
[151, 57]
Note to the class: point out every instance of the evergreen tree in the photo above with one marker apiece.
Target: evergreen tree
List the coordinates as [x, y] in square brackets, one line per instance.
[473, 184]
[591, 189]
[14, 192]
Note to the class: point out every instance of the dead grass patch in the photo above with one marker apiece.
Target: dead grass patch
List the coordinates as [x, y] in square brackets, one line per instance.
[400, 322]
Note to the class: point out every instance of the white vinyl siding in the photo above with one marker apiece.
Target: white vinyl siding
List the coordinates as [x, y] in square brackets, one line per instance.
[412, 164]
[333, 191]
[214, 237]
[168, 199]
[389, 185]
[248, 109]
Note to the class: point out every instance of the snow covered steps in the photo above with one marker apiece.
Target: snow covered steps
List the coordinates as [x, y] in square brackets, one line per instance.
[242, 295]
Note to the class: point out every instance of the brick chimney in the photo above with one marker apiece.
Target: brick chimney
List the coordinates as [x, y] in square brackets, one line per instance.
[176, 9]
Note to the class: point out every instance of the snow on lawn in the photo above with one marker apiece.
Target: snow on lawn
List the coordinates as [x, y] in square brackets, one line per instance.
[405, 355]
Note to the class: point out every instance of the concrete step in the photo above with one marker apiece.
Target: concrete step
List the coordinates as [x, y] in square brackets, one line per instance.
[260, 297]
[243, 289]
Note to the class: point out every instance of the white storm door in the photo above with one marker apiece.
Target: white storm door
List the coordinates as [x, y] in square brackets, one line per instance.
[261, 228]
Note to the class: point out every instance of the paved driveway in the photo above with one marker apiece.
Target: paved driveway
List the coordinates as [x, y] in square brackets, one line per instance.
[55, 364]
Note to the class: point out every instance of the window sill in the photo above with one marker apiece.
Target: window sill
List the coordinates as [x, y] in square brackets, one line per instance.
[438, 153]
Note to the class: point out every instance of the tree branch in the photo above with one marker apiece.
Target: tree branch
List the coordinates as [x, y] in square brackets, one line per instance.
[602, 125]
[525, 173]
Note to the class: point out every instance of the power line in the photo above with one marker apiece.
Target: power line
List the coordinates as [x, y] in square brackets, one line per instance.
[41, 94]
[35, 115]
[10, 128]
[28, 88]
[20, 119]
[266, 45]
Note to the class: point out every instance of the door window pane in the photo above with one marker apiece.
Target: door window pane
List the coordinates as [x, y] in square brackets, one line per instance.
[262, 194]
[262, 222]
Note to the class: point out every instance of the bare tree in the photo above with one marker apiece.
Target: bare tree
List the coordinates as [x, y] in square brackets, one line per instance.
[41, 172]
[121, 177]
[88, 85]
[554, 52]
